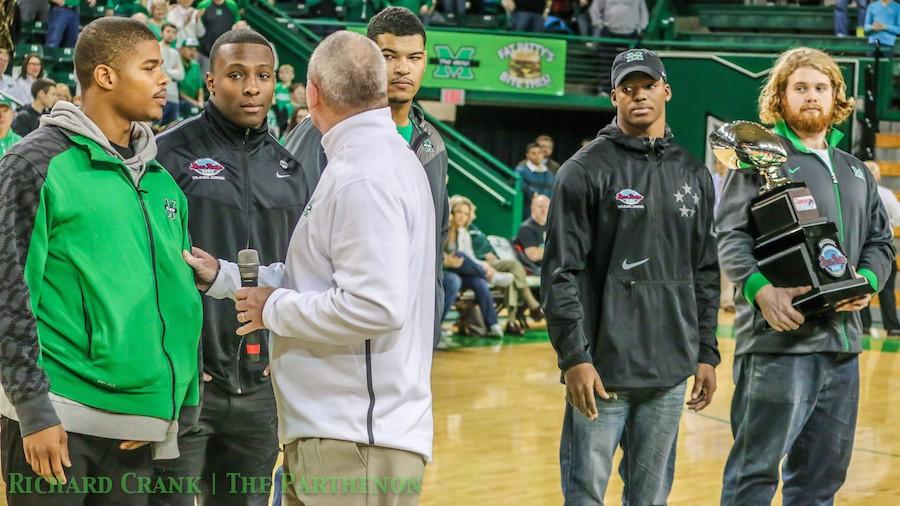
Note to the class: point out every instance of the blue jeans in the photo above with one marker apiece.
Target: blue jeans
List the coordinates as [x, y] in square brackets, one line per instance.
[526, 22]
[800, 405]
[474, 278]
[840, 15]
[62, 29]
[645, 420]
[452, 285]
[662, 494]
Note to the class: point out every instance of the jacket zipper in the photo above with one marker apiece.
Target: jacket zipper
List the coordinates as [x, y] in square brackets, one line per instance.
[139, 193]
[845, 342]
[246, 174]
[88, 327]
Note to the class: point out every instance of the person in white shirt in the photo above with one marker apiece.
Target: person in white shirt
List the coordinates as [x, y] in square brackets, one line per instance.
[886, 298]
[174, 69]
[351, 312]
[186, 19]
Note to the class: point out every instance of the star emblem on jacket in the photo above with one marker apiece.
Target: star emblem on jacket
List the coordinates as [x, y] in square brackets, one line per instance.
[688, 199]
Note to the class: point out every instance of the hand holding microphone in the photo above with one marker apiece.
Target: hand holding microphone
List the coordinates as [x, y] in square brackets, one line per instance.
[250, 302]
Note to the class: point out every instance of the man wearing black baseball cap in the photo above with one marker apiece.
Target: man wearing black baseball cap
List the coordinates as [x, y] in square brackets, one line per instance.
[630, 316]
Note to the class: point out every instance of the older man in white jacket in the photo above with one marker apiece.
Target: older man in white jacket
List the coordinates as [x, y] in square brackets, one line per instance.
[352, 318]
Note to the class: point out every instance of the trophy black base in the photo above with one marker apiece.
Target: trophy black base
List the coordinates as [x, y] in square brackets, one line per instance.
[826, 298]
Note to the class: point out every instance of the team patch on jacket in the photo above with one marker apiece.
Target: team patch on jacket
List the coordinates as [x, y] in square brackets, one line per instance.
[629, 199]
[207, 168]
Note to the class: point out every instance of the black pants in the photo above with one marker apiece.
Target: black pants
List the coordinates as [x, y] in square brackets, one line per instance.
[888, 302]
[101, 473]
[232, 450]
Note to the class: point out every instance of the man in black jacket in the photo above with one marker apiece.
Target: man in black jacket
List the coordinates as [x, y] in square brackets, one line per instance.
[797, 379]
[244, 191]
[630, 283]
[401, 37]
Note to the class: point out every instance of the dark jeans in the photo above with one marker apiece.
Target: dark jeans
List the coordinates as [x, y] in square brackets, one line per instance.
[888, 302]
[526, 22]
[34, 10]
[452, 285]
[473, 277]
[92, 457]
[841, 21]
[644, 421]
[62, 30]
[803, 406]
[236, 434]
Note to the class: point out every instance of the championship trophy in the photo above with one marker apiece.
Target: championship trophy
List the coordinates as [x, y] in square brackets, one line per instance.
[793, 244]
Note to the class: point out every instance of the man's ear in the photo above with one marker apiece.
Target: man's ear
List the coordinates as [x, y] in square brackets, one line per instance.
[210, 83]
[105, 77]
[668, 92]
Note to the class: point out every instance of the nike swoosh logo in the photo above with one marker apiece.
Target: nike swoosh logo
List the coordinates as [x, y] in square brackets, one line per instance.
[279, 175]
[627, 266]
[795, 169]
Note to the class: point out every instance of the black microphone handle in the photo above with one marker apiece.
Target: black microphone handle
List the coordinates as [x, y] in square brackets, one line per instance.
[253, 340]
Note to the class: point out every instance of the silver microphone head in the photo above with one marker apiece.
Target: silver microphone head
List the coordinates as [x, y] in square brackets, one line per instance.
[248, 262]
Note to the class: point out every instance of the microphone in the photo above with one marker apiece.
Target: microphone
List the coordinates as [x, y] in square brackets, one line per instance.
[248, 265]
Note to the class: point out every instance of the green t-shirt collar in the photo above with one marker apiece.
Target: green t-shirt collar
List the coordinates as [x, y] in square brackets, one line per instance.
[832, 139]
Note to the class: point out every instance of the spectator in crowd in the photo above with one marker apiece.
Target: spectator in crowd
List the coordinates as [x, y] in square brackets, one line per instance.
[298, 96]
[536, 179]
[841, 20]
[359, 11]
[34, 10]
[619, 18]
[886, 298]
[7, 136]
[8, 84]
[63, 93]
[459, 259]
[532, 235]
[28, 119]
[284, 108]
[65, 22]
[472, 241]
[573, 13]
[173, 68]
[217, 17]
[546, 144]
[190, 89]
[526, 15]
[422, 8]
[126, 9]
[883, 25]
[299, 114]
[186, 19]
[457, 8]
[32, 68]
[158, 11]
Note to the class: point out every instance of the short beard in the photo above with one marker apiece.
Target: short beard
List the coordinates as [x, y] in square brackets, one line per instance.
[803, 124]
[394, 101]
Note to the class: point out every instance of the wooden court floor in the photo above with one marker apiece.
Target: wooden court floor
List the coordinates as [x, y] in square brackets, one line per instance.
[498, 413]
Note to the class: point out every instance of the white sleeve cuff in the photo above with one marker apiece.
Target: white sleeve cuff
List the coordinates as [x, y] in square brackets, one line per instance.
[227, 282]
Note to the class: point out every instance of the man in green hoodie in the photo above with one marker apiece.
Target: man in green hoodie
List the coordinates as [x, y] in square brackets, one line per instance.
[100, 321]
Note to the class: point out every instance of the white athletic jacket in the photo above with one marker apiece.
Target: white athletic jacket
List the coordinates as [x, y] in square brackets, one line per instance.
[352, 323]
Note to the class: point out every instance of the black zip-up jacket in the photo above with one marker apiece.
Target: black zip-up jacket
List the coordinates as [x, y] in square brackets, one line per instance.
[630, 278]
[847, 195]
[305, 143]
[244, 190]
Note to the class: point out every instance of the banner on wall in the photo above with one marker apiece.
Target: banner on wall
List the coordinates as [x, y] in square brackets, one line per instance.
[496, 63]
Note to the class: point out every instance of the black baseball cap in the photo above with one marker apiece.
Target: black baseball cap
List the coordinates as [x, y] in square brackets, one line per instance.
[637, 60]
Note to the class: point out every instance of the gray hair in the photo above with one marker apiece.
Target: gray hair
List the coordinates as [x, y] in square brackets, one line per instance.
[349, 71]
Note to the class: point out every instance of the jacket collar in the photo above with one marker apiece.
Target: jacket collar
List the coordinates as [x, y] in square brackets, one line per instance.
[639, 144]
[356, 126]
[781, 128]
[100, 155]
[233, 133]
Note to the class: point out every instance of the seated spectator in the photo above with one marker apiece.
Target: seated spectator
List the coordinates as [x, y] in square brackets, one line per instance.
[63, 92]
[619, 18]
[32, 69]
[532, 235]
[64, 23]
[546, 144]
[8, 83]
[882, 26]
[841, 20]
[126, 9]
[300, 113]
[284, 108]
[422, 8]
[28, 119]
[7, 136]
[190, 89]
[465, 237]
[358, 11]
[526, 15]
[159, 9]
[173, 68]
[217, 16]
[34, 10]
[186, 19]
[536, 179]
[470, 276]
